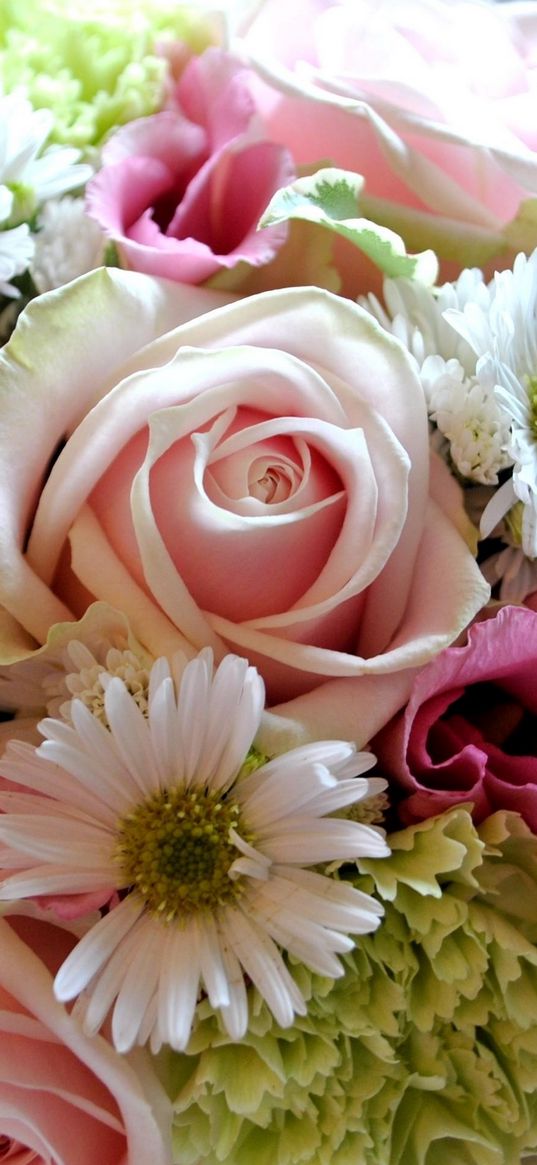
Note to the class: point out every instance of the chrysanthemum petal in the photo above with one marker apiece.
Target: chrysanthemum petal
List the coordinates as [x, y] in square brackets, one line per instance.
[282, 794]
[305, 841]
[140, 979]
[179, 985]
[212, 966]
[304, 946]
[93, 950]
[347, 792]
[235, 1014]
[192, 713]
[50, 879]
[237, 703]
[32, 804]
[322, 900]
[40, 837]
[22, 764]
[331, 753]
[131, 734]
[163, 728]
[106, 985]
[253, 863]
[99, 744]
[262, 961]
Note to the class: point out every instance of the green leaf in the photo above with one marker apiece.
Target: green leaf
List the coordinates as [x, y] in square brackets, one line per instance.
[331, 199]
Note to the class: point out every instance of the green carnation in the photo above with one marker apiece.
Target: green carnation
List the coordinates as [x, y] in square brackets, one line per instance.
[95, 67]
[424, 1052]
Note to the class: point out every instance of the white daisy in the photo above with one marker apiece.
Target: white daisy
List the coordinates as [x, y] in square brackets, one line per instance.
[29, 172]
[67, 244]
[208, 857]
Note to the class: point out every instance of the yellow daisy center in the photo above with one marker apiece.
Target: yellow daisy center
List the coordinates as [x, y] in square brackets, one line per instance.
[175, 850]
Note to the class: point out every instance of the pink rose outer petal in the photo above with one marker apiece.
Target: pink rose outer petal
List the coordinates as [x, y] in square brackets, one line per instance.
[71, 1097]
[501, 651]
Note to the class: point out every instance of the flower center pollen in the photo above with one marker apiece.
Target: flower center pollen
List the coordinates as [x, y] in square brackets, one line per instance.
[175, 850]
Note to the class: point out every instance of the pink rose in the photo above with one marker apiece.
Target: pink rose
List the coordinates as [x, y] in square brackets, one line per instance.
[181, 192]
[65, 1098]
[468, 731]
[433, 101]
[256, 479]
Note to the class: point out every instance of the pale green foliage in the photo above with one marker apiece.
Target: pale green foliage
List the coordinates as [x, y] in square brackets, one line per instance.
[94, 66]
[424, 1053]
[331, 198]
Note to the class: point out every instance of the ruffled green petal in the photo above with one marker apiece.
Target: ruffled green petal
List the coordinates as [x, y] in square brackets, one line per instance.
[425, 1052]
[94, 67]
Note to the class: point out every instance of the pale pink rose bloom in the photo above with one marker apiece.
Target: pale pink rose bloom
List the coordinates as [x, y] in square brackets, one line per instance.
[181, 192]
[433, 101]
[468, 731]
[64, 1097]
[282, 508]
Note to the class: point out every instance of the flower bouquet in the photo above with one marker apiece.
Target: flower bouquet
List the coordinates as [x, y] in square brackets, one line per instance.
[268, 582]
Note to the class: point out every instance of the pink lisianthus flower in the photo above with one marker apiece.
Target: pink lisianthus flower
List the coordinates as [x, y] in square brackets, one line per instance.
[468, 731]
[181, 192]
[66, 1097]
[431, 100]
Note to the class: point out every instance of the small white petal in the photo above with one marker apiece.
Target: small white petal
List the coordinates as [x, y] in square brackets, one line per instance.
[263, 963]
[52, 879]
[307, 842]
[137, 988]
[131, 735]
[95, 948]
[39, 837]
[212, 966]
[107, 983]
[178, 986]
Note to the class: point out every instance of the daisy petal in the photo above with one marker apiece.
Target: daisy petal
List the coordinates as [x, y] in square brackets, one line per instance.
[95, 948]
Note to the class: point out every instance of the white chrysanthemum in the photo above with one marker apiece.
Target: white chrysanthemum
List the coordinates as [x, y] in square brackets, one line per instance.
[208, 859]
[414, 313]
[509, 567]
[83, 679]
[16, 252]
[466, 412]
[68, 244]
[505, 333]
[459, 389]
[45, 682]
[30, 173]
[516, 574]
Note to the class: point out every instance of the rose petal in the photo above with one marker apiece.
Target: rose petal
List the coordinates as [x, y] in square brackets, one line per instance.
[145, 1111]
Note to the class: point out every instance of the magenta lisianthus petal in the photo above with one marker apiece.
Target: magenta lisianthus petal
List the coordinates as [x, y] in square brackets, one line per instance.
[466, 734]
[181, 192]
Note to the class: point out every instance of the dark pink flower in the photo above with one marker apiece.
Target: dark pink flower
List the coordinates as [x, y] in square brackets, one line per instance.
[468, 731]
[181, 192]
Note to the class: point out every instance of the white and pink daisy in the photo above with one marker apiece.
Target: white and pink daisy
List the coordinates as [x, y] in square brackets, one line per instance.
[202, 843]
